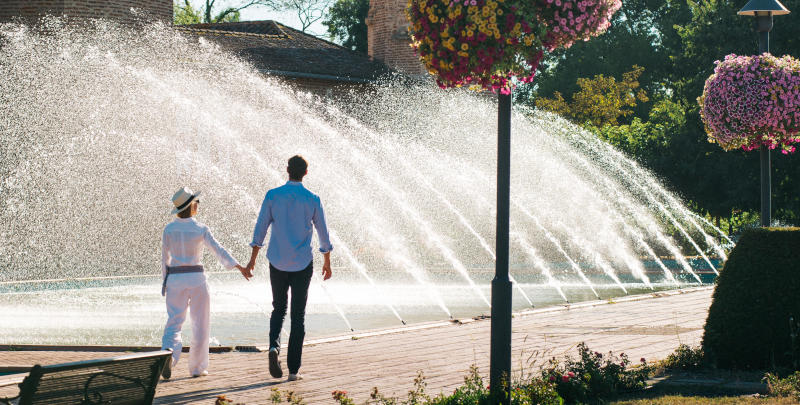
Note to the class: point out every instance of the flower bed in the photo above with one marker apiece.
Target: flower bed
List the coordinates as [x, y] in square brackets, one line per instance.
[753, 101]
[488, 43]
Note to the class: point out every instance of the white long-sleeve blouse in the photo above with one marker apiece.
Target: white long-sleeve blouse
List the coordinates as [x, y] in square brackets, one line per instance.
[182, 245]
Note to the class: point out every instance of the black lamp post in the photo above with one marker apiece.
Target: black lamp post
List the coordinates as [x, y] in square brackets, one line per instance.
[763, 10]
[500, 350]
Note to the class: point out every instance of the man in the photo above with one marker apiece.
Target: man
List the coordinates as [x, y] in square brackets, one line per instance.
[291, 210]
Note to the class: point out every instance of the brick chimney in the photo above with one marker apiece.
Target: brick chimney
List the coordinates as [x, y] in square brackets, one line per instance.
[119, 10]
[388, 38]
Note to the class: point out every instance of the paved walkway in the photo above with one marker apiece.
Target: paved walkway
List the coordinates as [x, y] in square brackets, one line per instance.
[649, 326]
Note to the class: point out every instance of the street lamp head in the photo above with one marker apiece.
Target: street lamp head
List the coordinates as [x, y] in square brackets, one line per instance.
[763, 7]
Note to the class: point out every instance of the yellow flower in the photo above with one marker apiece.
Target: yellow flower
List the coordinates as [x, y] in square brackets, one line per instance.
[470, 33]
[464, 47]
[500, 11]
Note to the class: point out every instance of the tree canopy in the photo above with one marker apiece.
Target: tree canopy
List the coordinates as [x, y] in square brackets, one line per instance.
[676, 42]
[346, 22]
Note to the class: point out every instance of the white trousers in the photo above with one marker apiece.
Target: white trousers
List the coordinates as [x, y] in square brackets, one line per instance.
[188, 291]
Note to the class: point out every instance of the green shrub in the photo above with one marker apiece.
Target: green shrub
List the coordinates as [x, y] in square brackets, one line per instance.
[756, 294]
[595, 376]
[592, 378]
[783, 387]
[684, 358]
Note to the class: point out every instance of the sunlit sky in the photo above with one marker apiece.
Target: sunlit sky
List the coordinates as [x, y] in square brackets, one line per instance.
[254, 13]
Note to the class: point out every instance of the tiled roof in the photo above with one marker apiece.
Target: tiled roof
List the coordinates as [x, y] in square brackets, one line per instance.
[277, 49]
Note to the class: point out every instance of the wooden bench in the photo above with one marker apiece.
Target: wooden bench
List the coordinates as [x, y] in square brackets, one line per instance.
[129, 379]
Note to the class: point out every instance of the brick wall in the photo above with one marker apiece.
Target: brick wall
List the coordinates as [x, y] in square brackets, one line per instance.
[111, 9]
[388, 39]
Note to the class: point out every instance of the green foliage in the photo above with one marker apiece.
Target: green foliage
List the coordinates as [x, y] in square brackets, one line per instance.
[647, 140]
[639, 35]
[684, 358]
[783, 387]
[756, 294]
[186, 13]
[346, 23]
[595, 376]
[600, 100]
[677, 42]
[473, 392]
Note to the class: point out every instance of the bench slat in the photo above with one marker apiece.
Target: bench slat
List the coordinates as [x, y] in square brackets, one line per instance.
[130, 379]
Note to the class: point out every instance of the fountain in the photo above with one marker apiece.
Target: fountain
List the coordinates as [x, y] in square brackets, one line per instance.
[100, 123]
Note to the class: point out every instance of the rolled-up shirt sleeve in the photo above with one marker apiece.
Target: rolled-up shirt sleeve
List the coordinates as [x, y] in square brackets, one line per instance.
[223, 255]
[263, 222]
[164, 254]
[322, 229]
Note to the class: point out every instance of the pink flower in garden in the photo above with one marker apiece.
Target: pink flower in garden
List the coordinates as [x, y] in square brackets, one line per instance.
[564, 378]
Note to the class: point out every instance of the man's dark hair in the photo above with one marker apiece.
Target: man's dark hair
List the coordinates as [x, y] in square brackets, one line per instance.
[297, 167]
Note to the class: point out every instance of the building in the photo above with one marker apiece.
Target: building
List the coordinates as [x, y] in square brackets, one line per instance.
[388, 38]
[119, 10]
[303, 60]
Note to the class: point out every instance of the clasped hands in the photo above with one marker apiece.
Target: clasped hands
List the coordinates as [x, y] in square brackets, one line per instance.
[247, 271]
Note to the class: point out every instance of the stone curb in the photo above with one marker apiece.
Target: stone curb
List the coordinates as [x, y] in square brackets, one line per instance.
[98, 348]
[717, 384]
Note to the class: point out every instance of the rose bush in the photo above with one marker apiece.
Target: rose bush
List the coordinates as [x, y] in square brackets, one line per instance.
[487, 43]
[753, 101]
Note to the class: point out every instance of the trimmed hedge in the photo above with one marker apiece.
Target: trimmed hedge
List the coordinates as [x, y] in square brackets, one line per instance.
[757, 291]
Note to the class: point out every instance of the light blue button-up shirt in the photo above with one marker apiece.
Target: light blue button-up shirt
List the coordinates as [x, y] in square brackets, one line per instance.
[291, 210]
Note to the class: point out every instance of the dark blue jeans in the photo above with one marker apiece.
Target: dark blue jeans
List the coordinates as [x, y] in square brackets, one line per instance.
[298, 282]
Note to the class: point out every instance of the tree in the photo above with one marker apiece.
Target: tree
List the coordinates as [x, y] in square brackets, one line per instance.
[723, 181]
[185, 13]
[677, 42]
[641, 34]
[346, 23]
[307, 11]
[600, 101]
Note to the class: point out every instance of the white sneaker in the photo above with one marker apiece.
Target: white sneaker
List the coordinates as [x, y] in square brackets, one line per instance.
[202, 374]
[295, 377]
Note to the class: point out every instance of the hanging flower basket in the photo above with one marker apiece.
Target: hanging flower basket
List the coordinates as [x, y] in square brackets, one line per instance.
[487, 43]
[753, 101]
[571, 21]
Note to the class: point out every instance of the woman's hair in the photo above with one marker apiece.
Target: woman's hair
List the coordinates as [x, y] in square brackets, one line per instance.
[188, 212]
[297, 167]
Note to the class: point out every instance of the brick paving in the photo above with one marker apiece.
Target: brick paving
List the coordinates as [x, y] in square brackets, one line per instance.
[649, 326]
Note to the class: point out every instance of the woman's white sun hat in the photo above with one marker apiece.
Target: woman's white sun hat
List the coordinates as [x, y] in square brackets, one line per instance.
[183, 199]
